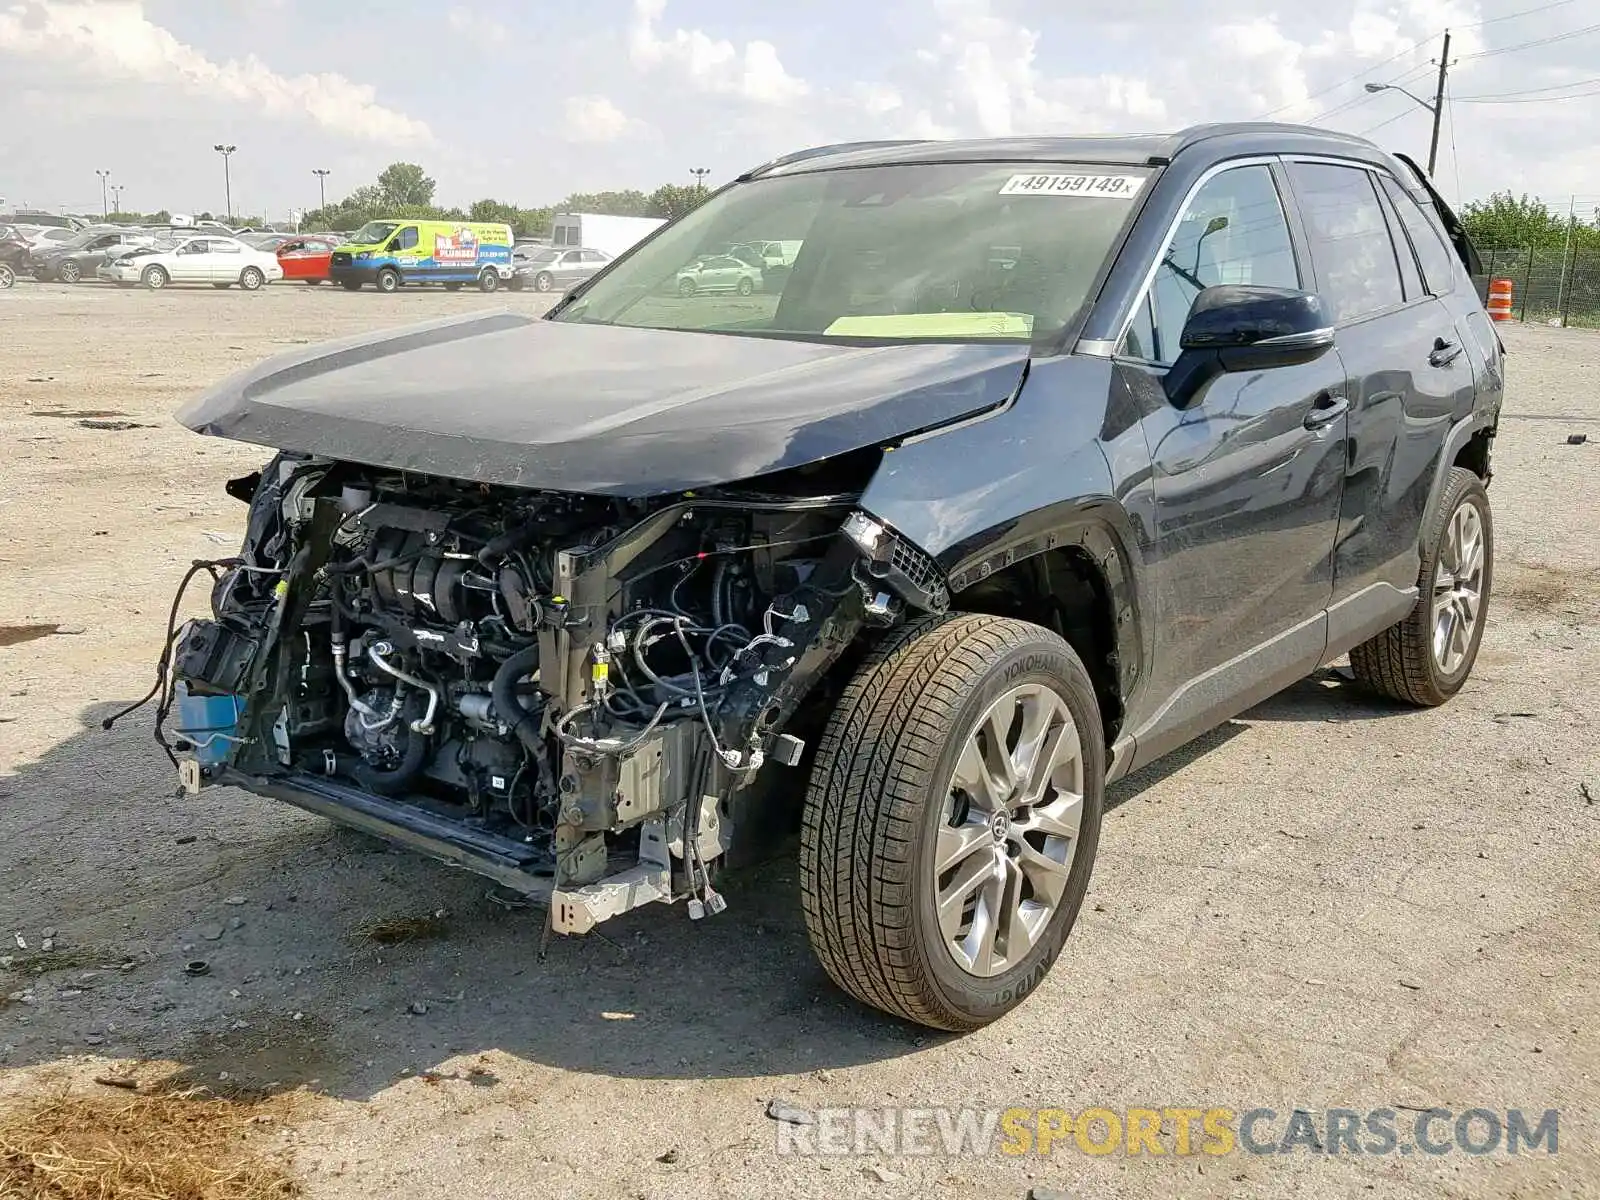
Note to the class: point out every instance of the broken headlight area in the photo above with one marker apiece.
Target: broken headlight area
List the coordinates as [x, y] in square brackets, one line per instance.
[570, 694]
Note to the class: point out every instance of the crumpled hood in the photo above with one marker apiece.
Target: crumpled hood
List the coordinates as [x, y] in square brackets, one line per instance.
[506, 399]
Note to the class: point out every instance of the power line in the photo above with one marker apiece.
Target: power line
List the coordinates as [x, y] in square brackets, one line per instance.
[1406, 112]
[1455, 157]
[1546, 41]
[1527, 12]
[1334, 86]
[1554, 87]
[1411, 75]
[1411, 49]
[1539, 99]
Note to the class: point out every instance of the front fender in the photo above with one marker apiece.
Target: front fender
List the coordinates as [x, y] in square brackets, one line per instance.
[1047, 471]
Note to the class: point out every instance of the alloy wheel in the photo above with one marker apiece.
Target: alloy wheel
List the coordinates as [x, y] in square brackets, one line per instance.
[1457, 589]
[1010, 830]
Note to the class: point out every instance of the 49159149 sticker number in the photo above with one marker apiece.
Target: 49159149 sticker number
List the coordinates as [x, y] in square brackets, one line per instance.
[1108, 187]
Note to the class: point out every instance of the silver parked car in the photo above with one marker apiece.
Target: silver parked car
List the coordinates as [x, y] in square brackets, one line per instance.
[553, 269]
[719, 273]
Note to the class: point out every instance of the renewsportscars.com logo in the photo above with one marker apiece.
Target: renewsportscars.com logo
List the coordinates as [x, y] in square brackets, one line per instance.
[1177, 1131]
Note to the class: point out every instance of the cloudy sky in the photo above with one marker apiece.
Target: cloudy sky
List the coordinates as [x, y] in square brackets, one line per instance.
[527, 100]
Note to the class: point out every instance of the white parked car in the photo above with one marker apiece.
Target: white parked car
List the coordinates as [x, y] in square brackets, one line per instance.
[219, 261]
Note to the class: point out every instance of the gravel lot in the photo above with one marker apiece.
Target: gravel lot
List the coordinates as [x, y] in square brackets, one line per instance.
[1325, 903]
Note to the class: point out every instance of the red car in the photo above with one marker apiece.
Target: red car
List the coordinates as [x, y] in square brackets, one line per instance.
[306, 258]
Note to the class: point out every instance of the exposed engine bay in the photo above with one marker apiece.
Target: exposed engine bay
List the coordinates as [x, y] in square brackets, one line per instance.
[574, 695]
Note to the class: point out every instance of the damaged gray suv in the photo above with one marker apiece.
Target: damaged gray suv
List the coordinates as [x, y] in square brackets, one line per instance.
[1040, 458]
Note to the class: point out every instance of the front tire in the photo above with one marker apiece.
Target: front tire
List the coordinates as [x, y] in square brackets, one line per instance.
[388, 280]
[251, 279]
[8, 277]
[68, 272]
[1426, 658]
[154, 278]
[350, 285]
[543, 281]
[746, 287]
[222, 286]
[952, 817]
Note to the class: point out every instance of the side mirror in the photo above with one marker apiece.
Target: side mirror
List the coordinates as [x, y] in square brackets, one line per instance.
[1246, 327]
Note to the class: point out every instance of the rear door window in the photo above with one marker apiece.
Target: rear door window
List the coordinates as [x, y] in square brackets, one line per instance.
[1358, 272]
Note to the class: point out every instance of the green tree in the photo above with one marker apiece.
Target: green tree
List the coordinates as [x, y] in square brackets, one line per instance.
[1504, 221]
[672, 200]
[630, 203]
[406, 184]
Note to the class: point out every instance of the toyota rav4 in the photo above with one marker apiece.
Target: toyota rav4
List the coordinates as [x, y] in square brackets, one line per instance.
[1041, 458]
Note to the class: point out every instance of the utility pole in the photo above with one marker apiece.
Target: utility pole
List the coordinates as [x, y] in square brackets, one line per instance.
[227, 179]
[322, 194]
[1438, 103]
[105, 209]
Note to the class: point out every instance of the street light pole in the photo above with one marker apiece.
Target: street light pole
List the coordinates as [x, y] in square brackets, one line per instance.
[700, 174]
[1436, 109]
[116, 197]
[104, 208]
[322, 193]
[227, 178]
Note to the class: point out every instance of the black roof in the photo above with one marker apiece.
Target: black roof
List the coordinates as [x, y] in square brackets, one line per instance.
[1129, 150]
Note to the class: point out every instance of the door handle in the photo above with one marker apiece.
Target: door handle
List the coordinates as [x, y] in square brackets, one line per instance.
[1444, 353]
[1328, 408]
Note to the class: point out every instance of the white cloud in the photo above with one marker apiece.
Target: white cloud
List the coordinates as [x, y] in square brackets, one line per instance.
[710, 64]
[595, 119]
[113, 41]
[481, 28]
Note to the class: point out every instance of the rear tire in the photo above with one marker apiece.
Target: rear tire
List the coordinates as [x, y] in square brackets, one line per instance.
[68, 272]
[686, 288]
[350, 285]
[889, 802]
[489, 281]
[222, 286]
[746, 287]
[543, 282]
[388, 280]
[313, 282]
[1426, 658]
[452, 287]
[154, 278]
[251, 279]
[8, 277]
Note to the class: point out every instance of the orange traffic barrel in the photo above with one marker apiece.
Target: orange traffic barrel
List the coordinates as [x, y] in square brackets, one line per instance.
[1500, 299]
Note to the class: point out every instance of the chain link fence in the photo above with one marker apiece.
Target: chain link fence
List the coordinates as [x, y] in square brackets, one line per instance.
[1552, 286]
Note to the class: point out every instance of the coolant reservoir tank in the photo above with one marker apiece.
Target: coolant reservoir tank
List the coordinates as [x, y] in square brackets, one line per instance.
[207, 723]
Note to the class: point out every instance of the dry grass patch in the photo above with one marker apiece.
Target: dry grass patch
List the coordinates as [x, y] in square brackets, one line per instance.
[394, 931]
[147, 1144]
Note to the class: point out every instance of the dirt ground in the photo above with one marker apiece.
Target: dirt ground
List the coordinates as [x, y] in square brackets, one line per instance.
[1328, 902]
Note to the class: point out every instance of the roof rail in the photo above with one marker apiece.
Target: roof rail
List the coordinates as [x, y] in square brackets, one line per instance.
[820, 151]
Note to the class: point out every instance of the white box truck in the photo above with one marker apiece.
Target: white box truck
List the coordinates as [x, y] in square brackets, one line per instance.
[596, 231]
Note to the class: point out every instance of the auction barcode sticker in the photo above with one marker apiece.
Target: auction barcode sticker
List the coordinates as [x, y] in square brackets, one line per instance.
[1115, 187]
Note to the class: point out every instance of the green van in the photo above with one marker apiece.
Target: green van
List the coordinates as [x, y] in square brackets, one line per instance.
[389, 253]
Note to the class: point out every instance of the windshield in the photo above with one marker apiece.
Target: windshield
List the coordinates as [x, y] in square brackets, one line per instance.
[543, 256]
[374, 232]
[952, 251]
